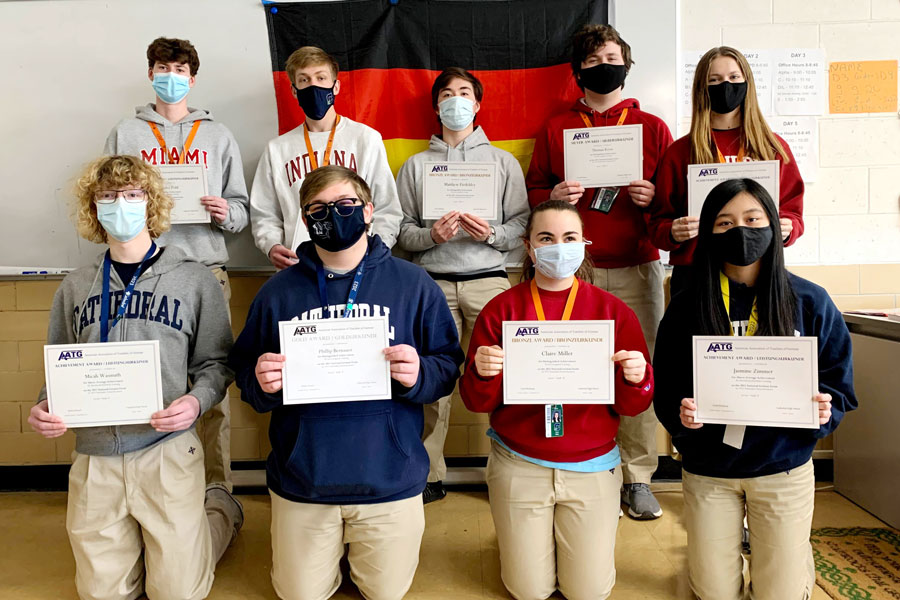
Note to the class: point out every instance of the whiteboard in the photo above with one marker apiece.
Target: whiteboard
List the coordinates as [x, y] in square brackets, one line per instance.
[74, 68]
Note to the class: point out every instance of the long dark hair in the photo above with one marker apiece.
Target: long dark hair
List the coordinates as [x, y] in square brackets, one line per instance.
[775, 299]
[586, 271]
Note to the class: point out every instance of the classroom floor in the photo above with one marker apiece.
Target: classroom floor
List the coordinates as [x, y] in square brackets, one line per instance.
[459, 557]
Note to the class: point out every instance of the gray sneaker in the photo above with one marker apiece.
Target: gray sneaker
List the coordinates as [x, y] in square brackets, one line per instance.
[641, 503]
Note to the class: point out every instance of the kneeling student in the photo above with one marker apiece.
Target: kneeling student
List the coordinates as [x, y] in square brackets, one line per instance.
[135, 516]
[555, 500]
[347, 472]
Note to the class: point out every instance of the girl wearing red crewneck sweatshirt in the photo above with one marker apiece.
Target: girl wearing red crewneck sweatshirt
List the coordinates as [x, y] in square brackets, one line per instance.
[555, 500]
[727, 125]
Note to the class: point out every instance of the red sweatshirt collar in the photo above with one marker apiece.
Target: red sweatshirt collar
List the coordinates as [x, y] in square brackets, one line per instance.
[614, 111]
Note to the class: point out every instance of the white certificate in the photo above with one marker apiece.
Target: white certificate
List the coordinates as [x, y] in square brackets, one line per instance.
[186, 184]
[604, 156]
[703, 178]
[116, 383]
[469, 187]
[335, 360]
[764, 381]
[558, 362]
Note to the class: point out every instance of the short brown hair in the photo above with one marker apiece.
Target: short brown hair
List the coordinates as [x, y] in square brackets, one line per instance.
[308, 56]
[591, 37]
[166, 50]
[329, 175]
[448, 75]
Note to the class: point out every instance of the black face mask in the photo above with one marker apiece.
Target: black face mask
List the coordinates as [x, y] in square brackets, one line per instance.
[726, 96]
[742, 246]
[603, 78]
[335, 233]
[315, 101]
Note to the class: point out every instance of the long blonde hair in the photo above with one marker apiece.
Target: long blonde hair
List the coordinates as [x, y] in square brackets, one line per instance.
[756, 137]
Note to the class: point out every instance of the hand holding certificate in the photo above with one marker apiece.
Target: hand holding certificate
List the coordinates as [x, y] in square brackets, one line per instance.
[604, 156]
[186, 184]
[703, 178]
[466, 187]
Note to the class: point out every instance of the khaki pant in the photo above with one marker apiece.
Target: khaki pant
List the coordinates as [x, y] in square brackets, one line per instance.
[465, 299]
[308, 543]
[779, 512]
[641, 288]
[137, 523]
[553, 525]
[214, 426]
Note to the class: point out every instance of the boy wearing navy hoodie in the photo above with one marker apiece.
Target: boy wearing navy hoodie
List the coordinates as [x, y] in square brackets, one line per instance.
[348, 472]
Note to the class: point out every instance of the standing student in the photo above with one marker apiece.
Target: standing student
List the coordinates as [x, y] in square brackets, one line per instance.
[463, 253]
[347, 472]
[727, 125]
[168, 131]
[324, 138]
[740, 287]
[555, 500]
[625, 261]
[140, 517]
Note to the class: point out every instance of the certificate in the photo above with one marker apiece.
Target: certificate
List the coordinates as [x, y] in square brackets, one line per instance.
[703, 178]
[335, 360]
[469, 187]
[186, 184]
[116, 383]
[558, 362]
[604, 156]
[765, 381]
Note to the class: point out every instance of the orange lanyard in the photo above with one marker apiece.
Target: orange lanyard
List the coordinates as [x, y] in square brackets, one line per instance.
[721, 157]
[312, 155]
[184, 150]
[539, 308]
[587, 122]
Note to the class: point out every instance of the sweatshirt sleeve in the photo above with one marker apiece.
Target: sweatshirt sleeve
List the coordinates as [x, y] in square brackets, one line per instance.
[791, 188]
[835, 365]
[515, 207]
[266, 219]
[673, 369]
[60, 329]
[208, 371]
[631, 399]
[483, 394]
[234, 189]
[540, 179]
[414, 237]
[388, 214]
[258, 337]
[670, 200]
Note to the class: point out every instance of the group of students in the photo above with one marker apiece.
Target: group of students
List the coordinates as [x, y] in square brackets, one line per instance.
[146, 516]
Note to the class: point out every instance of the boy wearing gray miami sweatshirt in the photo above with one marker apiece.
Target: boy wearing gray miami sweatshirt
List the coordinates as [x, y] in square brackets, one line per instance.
[464, 254]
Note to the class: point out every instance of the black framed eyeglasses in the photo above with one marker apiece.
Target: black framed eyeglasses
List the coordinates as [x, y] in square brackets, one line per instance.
[344, 207]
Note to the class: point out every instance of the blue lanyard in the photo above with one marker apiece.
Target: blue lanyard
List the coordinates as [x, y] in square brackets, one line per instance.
[354, 288]
[129, 290]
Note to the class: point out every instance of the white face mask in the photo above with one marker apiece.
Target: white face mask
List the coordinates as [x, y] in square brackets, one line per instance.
[457, 112]
[559, 261]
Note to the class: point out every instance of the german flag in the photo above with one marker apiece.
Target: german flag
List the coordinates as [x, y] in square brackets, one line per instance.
[390, 51]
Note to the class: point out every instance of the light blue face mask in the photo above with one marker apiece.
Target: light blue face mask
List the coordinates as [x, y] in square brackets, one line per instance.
[171, 87]
[123, 220]
[456, 112]
[559, 261]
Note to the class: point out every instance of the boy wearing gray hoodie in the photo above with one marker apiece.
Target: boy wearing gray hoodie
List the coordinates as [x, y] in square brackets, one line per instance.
[465, 254]
[140, 518]
[168, 131]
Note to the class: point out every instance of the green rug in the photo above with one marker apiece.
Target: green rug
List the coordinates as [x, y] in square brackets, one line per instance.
[857, 563]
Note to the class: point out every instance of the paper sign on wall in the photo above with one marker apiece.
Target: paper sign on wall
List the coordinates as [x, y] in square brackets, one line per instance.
[863, 86]
[800, 78]
[802, 136]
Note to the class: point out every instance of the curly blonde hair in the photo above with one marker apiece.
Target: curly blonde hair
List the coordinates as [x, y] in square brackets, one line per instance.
[118, 172]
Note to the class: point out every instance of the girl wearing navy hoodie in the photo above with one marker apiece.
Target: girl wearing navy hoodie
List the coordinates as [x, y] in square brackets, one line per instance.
[347, 472]
[555, 500]
[740, 287]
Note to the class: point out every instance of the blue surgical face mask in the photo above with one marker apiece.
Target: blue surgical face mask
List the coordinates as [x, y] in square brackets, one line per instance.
[123, 220]
[315, 101]
[171, 88]
[559, 261]
[456, 112]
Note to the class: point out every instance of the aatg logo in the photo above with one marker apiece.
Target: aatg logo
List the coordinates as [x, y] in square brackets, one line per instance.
[720, 347]
[582, 135]
[439, 169]
[526, 331]
[304, 329]
[707, 172]
[67, 354]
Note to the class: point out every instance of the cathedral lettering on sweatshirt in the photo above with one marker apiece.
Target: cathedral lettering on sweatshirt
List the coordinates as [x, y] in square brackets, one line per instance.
[144, 305]
[154, 156]
[298, 168]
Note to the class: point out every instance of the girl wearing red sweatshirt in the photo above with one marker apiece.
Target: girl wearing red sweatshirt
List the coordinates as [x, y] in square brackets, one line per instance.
[727, 125]
[555, 500]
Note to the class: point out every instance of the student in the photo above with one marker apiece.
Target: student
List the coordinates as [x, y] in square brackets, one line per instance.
[135, 515]
[740, 286]
[168, 131]
[347, 472]
[324, 138]
[727, 125]
[463, 253]
[555, 500]
[625, 261]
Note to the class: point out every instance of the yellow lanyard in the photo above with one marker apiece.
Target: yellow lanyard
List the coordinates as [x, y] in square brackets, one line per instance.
[539, 308]
[326, 160]
[587, 122]
[754, 314]
[187, 142]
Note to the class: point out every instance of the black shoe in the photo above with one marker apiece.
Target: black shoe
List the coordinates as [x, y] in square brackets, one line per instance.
[433, 491]
[745, 541]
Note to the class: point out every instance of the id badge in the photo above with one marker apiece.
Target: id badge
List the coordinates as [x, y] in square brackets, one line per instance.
[553, 420]
[603, 199]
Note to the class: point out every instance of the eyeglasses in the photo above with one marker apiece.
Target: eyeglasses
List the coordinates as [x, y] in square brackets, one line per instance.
[343, 207]
[110, 196]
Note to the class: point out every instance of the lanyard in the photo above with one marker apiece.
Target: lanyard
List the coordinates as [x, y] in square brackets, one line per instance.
[539, 308]
[754, 314]
[326, 160]
[184, 150]
[354, 288]
[721, 157]
[587, 122]
[129, 290]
